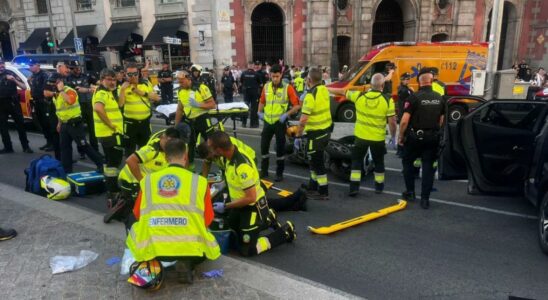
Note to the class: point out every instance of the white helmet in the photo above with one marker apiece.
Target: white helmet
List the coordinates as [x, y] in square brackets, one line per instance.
[56, 189]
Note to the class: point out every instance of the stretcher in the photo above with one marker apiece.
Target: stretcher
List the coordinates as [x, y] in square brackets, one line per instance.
[359, 220]
[223, 112]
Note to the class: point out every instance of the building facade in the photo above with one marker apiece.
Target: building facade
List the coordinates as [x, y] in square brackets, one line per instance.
[227, 32]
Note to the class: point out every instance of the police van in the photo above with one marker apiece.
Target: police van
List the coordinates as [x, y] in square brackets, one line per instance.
[91, 63]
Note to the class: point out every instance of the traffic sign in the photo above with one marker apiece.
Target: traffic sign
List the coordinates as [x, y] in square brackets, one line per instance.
[172, 40]
[79, 45]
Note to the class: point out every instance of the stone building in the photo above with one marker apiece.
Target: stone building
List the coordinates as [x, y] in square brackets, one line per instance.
[225, 32]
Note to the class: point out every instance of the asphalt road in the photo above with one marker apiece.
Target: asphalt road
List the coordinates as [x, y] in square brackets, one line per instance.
[464, 247]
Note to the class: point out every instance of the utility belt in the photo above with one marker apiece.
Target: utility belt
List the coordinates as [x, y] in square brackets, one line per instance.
[201, 123]
[318, 134]
[424, 134]
[114, 140]
[137, 122]
[73, 122]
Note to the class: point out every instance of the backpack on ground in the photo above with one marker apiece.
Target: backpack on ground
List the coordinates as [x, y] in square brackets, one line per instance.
[45, 165]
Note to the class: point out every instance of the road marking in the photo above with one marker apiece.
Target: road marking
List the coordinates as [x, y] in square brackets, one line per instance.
[474, 207]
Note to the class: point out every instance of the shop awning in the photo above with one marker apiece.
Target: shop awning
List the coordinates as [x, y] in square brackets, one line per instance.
[35, 39]
[83, 32]
[117, 34]
[162, 28]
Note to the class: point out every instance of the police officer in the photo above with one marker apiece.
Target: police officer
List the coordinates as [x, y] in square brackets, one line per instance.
[146, 160]
[388, 73]
[251, 83]
[374, 110]
[165, 78]
[136, 96]
[248, 209]
[37, 84]
[173, 211]
[274, 111]
[194, 102]
[82, 83]
[71, 125]
[109, 129]
[404, 91]
[437, 85]
[228, 85]
[316, 123]
[419, 135]
[10, 106]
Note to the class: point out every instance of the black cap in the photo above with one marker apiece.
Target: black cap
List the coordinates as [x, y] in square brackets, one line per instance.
[32, 62]
[227, 68]
[405, 76]
[258, 63]
[68, 63]
[53, 78]
[425, 70]
[118, 69]
[390, 65]
[435, 71]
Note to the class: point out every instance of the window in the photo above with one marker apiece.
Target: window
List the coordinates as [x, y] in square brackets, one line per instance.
[83, 5]
[125, 3]
[512, 115]
[41, 6]
[376, 68]
[170, 1]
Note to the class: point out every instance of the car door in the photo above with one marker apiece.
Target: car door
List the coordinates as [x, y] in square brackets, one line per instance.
[451, 163]
[498, 141]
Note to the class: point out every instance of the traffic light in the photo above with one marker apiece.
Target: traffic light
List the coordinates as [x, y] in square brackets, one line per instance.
[49, 40]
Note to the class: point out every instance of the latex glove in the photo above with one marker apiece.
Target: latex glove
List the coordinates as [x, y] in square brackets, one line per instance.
[283, 118]
[392, 143]
[261, 116]
[297, 144]
[194, 103]
[219, 207]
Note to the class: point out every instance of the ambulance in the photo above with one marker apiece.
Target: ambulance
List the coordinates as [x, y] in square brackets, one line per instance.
[454, 60]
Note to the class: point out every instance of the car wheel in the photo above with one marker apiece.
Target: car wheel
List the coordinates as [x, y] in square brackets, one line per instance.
[456, 112]
[346, 113]
[543, 224]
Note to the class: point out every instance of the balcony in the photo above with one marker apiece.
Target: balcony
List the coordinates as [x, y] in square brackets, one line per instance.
[165, 8]
[125, 9]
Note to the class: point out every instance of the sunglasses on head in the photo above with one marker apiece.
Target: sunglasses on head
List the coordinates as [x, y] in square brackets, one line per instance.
[132, 74]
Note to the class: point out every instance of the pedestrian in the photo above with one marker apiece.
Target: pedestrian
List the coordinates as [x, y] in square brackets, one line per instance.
[437, 85]
[37, 83]
[404, 91]
[165, 78]
[198, 79]
[316, 124]
[70, 124]
[420, 135]
[537, 83]
[522, 70]
[82, 83]
[136, 97]
[274, 111]
[109, 129]
[169, 197]
[248, 211]
[228, 84]
[10, 106]
[389, 70]
[251, 82]
[7, 234]
[194, 103]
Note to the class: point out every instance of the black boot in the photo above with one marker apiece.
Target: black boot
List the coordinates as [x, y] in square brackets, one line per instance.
[379, 187]
[425, 202]
[184, 271]
[354, 189]
[280, 166]
[7, 234]
[408, 196]
[290, 232]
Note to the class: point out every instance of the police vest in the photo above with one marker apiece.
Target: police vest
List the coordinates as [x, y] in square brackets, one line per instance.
[152, 160]
[171, 222]
[276, 103]
[372, 110]
[316, 105]
[65, 111]
[299, 84]
[185, 95]
[438, 87]
[136, 107]
[241, 173]
[112, 110]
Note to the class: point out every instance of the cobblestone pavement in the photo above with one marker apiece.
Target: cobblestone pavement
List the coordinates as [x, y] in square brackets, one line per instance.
[26, 274]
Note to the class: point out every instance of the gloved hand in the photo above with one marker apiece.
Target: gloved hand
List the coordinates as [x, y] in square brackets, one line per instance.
[194, 103]
[261, 116]
[283, 118]
[297, 144]
[219, 207]
[392, 143]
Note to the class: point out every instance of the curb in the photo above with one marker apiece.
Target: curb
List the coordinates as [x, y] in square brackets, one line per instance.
[254, 275]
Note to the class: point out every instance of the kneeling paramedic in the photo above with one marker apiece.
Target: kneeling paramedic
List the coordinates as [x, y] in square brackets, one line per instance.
[70, 124]
[146, 160]
[248, 209]
[173, 211]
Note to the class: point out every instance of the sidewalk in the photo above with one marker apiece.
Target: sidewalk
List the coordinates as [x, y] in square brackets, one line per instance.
[48, 228]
